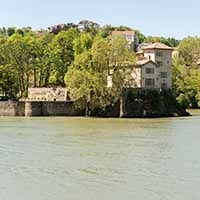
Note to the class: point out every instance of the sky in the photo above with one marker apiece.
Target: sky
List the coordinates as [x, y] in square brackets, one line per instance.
[169, 18]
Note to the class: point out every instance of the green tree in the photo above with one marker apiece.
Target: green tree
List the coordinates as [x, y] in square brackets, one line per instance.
[44, 59]
[62, 55]
[84, 85]
[141, 37]
[86, 79]
[21, 56]
[186, 82]
[82, 43]
[106, 31]
[167, 41]
[11, 30]
[8, 81]
[186, 72]
[189, 51]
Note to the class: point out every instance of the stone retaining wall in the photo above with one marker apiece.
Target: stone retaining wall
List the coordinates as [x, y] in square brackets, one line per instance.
[35, 108]
[135, 103]
[12, 108]
[51, 108]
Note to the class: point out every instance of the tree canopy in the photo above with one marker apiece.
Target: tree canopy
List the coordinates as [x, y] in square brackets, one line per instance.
[29, 59]
[186, 72]
[70, 57]
[86, 79]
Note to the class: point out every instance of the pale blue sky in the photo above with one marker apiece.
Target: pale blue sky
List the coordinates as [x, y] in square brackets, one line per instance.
[177, 18]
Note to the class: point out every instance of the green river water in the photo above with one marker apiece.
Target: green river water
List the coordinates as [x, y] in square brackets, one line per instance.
[100, 159]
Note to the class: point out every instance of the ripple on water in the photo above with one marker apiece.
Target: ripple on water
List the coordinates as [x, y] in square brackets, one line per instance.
[77, 158]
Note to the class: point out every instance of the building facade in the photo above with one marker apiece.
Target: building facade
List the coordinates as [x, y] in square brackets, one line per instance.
[47, 94]
[130, 36]
[153, 69]
[155, 64]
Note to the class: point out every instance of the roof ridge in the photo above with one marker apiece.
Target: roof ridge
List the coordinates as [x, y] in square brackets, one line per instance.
[158, 45]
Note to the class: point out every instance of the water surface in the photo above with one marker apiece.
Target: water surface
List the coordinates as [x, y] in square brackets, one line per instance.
[100, 159]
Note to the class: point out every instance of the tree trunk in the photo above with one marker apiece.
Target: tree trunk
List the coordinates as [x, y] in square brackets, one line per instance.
[34, 77]
[87, 108]
[121, 108]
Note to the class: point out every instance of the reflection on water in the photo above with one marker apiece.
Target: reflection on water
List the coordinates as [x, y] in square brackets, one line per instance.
[96, 159]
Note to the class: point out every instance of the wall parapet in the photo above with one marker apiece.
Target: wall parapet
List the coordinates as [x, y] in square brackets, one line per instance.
[12, 108]
[39, 108]
[134, 103]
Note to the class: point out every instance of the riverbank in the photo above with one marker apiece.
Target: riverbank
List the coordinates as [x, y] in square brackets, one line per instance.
[38, 108]
[134, 103]
[135, 109]
[194, 112]
[151, 103]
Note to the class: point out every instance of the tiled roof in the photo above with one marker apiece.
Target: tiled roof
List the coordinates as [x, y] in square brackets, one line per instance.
[143, 62]
[139, 52]
[157, 45]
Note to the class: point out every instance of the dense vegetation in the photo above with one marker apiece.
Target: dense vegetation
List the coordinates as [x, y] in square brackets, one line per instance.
[81, 61]
[152, 103]
[186, 69]
[172, 42]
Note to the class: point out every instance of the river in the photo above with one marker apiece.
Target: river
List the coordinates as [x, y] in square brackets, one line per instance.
[100, 159]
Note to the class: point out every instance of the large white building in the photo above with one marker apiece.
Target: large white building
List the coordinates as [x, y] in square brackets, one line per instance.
[153, 69]
[154, 66]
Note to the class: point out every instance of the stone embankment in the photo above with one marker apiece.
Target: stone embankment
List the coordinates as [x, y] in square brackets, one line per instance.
[134, 103]
[38, 108]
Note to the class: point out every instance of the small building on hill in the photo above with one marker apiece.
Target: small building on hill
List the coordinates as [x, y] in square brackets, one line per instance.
[87, 24]
[47, 94]
[130, 36]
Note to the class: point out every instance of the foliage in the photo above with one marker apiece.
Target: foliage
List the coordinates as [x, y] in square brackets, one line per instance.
[72, 57]
[62, 55]
[34, 61]
[151, 103]
[189, 51]
[82, 43]
[86, 79]
[106, 30]
[168, 41]
[186, 72]
[141, 37]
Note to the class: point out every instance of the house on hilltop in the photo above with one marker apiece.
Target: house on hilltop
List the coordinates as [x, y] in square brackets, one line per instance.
[56, 28]
[61, 27]
[86, 24]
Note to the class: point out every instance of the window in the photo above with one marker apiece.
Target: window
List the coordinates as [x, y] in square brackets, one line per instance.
[149, 70]
[149, 82]
[129, 37]
[163, 74]
[159, 53]
[160, 63]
